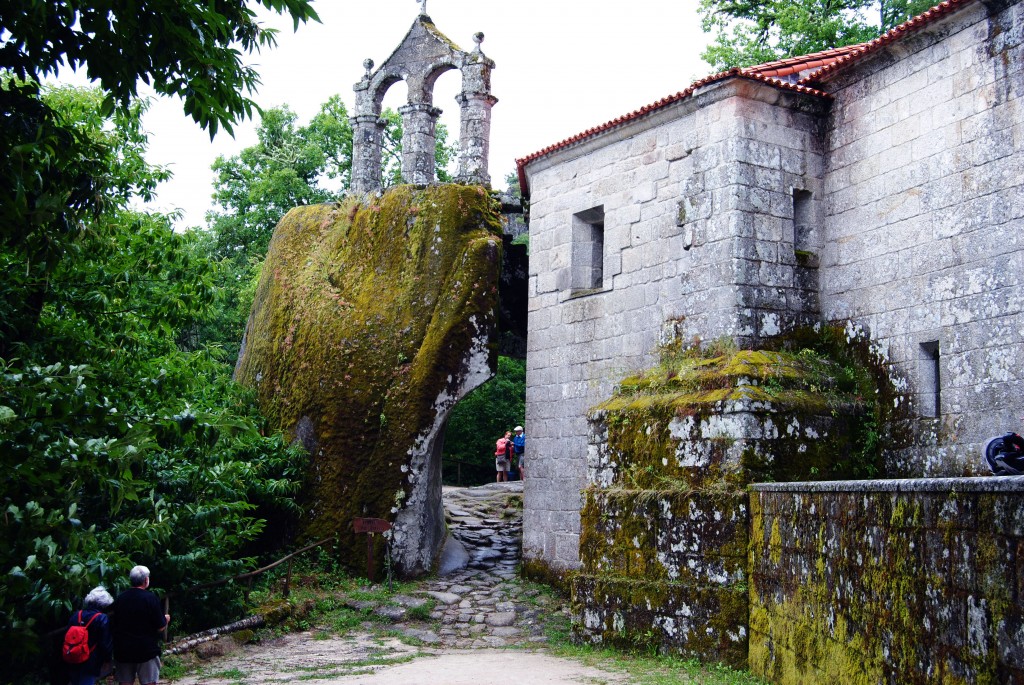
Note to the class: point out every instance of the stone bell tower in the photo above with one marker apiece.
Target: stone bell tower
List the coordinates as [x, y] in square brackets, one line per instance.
[424, 54]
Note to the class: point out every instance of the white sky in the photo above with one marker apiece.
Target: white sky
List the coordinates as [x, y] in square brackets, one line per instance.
[562, 66]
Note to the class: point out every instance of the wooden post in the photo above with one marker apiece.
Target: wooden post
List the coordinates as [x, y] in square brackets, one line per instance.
[167, 611]
[288, 580]
[370, 526]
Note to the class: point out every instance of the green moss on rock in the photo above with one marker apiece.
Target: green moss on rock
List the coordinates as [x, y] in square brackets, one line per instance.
[359, 337]
[664, 524]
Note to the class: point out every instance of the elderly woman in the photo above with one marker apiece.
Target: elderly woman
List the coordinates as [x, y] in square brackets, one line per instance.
[93, 614]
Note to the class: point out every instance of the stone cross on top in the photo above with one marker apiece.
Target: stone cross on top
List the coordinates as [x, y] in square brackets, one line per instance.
[424, 54]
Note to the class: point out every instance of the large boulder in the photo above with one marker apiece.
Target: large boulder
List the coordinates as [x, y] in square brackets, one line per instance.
[372, 318]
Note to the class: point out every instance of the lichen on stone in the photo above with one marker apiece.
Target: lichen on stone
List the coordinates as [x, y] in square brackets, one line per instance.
[371, 320]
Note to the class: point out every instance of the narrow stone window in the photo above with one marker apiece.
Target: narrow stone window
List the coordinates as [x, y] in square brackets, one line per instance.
[803, 222]
[931, 386]
[588, 249]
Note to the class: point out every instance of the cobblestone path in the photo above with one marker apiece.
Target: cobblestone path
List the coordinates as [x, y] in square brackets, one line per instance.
[480, 609]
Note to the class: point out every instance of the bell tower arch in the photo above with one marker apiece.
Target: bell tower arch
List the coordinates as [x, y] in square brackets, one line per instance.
[424, 54]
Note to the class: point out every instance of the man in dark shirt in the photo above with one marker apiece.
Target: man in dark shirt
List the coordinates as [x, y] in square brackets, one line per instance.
[138, 624]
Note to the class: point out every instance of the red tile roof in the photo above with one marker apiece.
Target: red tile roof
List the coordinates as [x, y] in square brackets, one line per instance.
[894, 34]
[795, 65]
[735, 72]
[819, 63]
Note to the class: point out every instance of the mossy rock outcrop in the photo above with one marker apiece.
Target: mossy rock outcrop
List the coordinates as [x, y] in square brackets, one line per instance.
[371, 320]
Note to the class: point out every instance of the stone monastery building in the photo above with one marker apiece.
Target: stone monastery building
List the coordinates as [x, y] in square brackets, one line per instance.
[877, 185]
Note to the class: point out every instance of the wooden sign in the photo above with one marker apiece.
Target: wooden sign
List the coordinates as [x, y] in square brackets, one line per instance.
[371, 525]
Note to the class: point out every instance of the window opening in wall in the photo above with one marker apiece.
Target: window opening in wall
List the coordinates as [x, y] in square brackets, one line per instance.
[928, 368]
[588, 249]
[803, 222]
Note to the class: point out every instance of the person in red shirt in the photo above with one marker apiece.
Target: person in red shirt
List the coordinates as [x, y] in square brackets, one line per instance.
[503, 450]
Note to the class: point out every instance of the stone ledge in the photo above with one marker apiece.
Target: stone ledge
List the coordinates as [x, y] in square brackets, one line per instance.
[982, 484]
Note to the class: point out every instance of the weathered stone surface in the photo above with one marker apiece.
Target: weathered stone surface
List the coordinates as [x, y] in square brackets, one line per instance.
[391, 613]
[745, 210]
[443, 597]
[703, 622]
[454, 557]
[501, 619]
[422, 55]
[908, 581]
[370, 322]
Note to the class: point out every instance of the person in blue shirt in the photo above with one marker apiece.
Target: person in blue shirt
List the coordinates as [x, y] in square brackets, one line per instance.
[519, 445]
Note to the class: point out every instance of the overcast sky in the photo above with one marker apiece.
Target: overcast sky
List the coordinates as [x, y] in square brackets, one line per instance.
[562, 67]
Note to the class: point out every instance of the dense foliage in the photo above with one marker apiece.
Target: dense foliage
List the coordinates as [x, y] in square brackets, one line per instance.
[185, 48]
[483, 416]
[119, 447]
[751, 32]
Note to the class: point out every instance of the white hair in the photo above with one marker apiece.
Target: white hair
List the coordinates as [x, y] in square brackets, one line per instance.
[138, 575]
[98, 599]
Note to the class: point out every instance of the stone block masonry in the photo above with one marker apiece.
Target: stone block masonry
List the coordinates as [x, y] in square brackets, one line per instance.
[924, 224]
[903, 581]
[888, 198]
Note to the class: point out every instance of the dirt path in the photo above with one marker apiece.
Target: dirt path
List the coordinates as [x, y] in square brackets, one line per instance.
[485, 625]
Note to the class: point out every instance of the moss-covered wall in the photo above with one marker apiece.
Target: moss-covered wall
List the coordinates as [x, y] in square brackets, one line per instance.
[370, 321]
[915, 581]
[664, 523]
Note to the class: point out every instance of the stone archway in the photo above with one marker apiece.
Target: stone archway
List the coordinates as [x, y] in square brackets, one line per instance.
[423, 55]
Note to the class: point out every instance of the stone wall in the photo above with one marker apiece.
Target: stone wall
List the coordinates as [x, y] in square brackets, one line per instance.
[906, 581]
[697, 241]
[746, 209]
[924, 221]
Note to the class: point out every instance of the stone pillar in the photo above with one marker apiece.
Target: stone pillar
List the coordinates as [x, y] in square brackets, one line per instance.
[418, 142]
[367, 131]
[475, 101]
[474, 137]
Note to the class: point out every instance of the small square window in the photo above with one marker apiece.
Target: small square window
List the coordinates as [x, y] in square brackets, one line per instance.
[588, 249]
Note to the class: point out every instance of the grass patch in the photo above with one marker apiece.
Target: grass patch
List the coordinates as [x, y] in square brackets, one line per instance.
[172, 667]
[421, 613]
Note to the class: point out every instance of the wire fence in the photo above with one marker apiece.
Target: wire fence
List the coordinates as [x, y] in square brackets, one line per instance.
[456, 472]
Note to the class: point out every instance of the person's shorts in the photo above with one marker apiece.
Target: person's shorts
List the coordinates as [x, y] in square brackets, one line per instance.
[501, 464]
[147, 672]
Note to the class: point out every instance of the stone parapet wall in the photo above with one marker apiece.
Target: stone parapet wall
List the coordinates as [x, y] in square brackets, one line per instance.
[903, 581]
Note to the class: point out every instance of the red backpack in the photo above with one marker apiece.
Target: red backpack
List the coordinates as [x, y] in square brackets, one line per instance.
[76, 648]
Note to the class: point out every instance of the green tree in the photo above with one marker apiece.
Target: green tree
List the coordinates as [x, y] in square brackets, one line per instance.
[289, 166]
[748, 32]
[190, 49]
[120, 447]
[52, 176]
